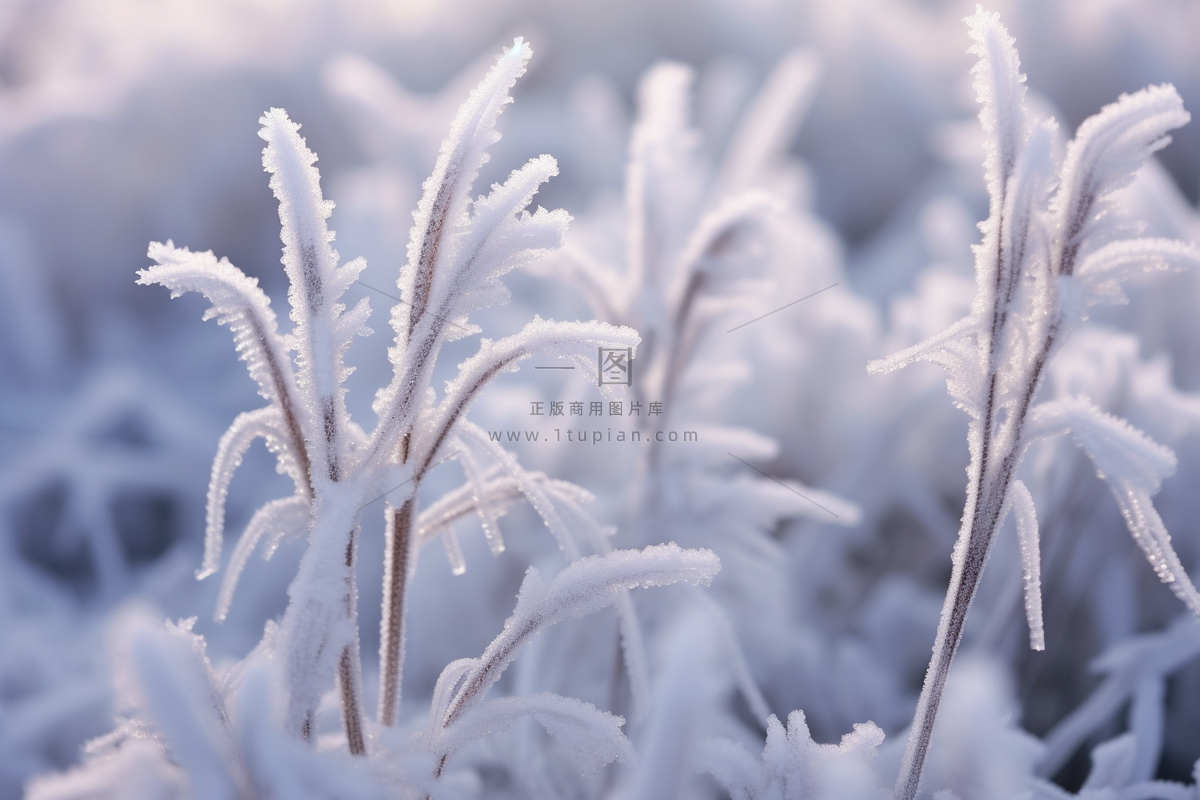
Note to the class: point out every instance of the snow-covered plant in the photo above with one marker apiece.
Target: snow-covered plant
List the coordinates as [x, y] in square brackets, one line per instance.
[459, 248]
[693, 234]
[457, 252]
[1050, 250]
[696, 235]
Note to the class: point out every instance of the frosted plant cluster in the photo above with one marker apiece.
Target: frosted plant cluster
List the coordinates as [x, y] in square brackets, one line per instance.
[459, 250]
[772, 229]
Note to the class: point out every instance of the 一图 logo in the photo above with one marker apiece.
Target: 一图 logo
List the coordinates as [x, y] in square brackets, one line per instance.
[616, 366]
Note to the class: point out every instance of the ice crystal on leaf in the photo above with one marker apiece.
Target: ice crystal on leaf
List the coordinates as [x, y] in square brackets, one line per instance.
[1050, 250]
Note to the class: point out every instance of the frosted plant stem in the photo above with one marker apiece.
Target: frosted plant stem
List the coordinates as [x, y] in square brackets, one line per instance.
[351, 712]
[985, 501]
[287, 405]
[391, 649]
[963, 582]
[349, 676]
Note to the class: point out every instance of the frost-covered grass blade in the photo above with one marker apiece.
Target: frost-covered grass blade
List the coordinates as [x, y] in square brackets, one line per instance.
[1028, 297]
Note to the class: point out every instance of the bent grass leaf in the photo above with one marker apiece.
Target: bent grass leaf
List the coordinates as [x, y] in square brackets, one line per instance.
[583, 587]
[591, 738]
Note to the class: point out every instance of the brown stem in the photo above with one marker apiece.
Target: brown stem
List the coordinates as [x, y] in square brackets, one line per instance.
[455, 413]
[351, 713]
[348, 667]
[399, 549]
[481, 678]
[395, 577]
[287, 404]
[431, 241]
